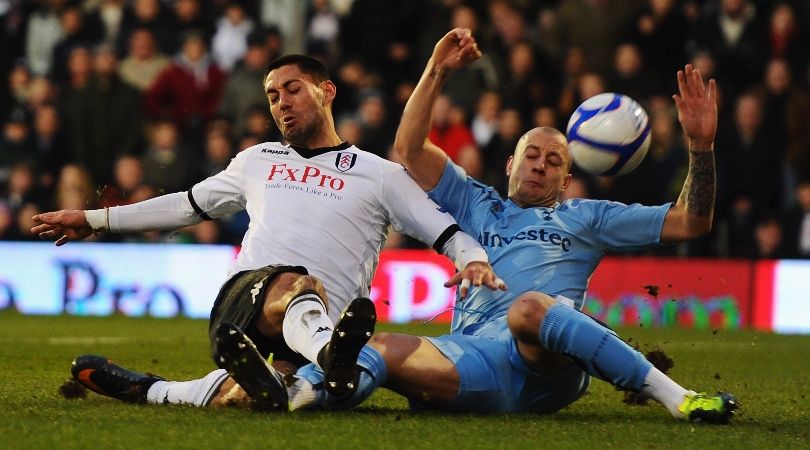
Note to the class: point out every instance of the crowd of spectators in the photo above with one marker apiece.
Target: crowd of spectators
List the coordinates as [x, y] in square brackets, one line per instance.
[109, 102]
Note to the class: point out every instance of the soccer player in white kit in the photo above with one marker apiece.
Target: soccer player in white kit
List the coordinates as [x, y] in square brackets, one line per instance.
[320, 209]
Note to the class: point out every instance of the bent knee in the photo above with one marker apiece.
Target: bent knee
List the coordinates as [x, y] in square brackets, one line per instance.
[297, 282]
[382, 340]
[526, 314]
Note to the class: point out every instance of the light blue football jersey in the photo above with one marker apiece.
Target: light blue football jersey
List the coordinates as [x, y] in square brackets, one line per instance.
[553, 250]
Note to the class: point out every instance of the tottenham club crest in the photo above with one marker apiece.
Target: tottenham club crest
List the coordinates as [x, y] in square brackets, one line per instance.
[345, 161]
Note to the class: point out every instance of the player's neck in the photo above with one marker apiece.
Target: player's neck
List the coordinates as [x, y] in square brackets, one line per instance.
[324, 140]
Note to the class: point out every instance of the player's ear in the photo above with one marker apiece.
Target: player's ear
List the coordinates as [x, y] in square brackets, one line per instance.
[509, 165]
[567, 181]
[329, 92]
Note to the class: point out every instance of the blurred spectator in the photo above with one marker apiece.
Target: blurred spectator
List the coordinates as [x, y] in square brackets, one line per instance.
[75, 189]
[630, 77]
[584, 87]
[349, 129]
[797, 223]
[74, 34]
[144, 62]
[80, 69]
[245, 86]
[323, 29]
[786, 109]
[104, 117]
[6, 223]
[21, 188]
[377, 131]
[735, 36]
[788, 40]
[19, 87]
[259, 123]
[50, 148]
[749, 166]
[470, 82]
[449, 131]
[109, 18]
[15, 144]
[661, 31]
[189, 17]
[594, 26]
[351, 78]
[218, 153]
[289, 18]
[500, 148]
[127, 182]
[21, 230]
[768, 236]
[12, 44]
[247, 141]
[546, 116]
[525, 87]
[40, 92]
[149, 14]
[381, 34]
[659, 178]
[190, 89]
[44, 31]
[166, 163]
[229, 44]
[485, 122]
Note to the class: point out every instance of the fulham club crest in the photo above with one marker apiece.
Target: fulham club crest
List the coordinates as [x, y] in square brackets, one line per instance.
[345, 161]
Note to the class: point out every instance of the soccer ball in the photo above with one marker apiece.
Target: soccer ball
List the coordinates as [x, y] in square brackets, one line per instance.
[608, 134]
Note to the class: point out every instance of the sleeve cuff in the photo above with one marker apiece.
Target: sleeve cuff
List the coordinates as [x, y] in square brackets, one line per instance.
[97, 218]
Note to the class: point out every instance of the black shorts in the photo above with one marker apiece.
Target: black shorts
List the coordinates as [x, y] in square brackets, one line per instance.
[240, 299]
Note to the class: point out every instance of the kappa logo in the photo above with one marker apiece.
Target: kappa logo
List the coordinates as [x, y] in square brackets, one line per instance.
[345, 161]
[275, 152]
[255, 291]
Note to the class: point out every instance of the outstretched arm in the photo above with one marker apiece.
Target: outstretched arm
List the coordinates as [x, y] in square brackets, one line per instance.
[424, 160]
[692, 214]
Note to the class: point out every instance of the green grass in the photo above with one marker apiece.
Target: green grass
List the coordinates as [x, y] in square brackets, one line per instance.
[769, 373]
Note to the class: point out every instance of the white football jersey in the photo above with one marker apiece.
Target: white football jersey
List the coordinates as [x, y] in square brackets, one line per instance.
[327, 210]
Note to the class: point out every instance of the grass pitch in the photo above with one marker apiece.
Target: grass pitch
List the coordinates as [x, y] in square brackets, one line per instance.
[770, 374]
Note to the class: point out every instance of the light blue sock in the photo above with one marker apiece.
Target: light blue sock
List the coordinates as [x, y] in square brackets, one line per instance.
[597, 349]
[373, 373]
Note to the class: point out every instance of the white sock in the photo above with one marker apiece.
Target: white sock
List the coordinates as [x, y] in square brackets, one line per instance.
[663, 389]
[307, 327]
[194, 392]
[303, 395]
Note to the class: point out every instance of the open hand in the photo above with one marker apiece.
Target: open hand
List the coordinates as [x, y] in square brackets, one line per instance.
[697, 108]
[63, 226]
[476, 273]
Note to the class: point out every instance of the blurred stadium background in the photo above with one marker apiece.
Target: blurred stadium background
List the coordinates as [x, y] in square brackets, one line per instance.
[108, 102]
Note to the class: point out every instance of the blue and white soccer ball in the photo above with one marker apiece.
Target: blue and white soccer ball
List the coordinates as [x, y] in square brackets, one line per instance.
[608, 134]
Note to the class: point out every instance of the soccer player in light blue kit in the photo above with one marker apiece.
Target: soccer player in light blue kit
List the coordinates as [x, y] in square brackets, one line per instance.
[530, 348]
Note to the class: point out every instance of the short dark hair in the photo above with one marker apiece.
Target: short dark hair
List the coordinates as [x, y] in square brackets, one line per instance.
[307, 64]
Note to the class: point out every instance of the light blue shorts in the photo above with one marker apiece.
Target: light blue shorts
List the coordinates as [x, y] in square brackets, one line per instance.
[495, 379]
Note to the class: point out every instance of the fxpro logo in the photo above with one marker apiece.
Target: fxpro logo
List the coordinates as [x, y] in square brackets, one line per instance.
[308, 175]
[496, 240]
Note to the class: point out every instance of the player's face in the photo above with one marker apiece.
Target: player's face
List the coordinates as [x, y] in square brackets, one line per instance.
[297, 104]
[538, 171]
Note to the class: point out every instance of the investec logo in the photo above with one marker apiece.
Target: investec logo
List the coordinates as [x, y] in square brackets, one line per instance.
[496, 240]
[308, 175]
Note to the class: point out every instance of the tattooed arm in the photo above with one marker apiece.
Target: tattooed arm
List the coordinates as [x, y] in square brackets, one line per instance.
[692, 214]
